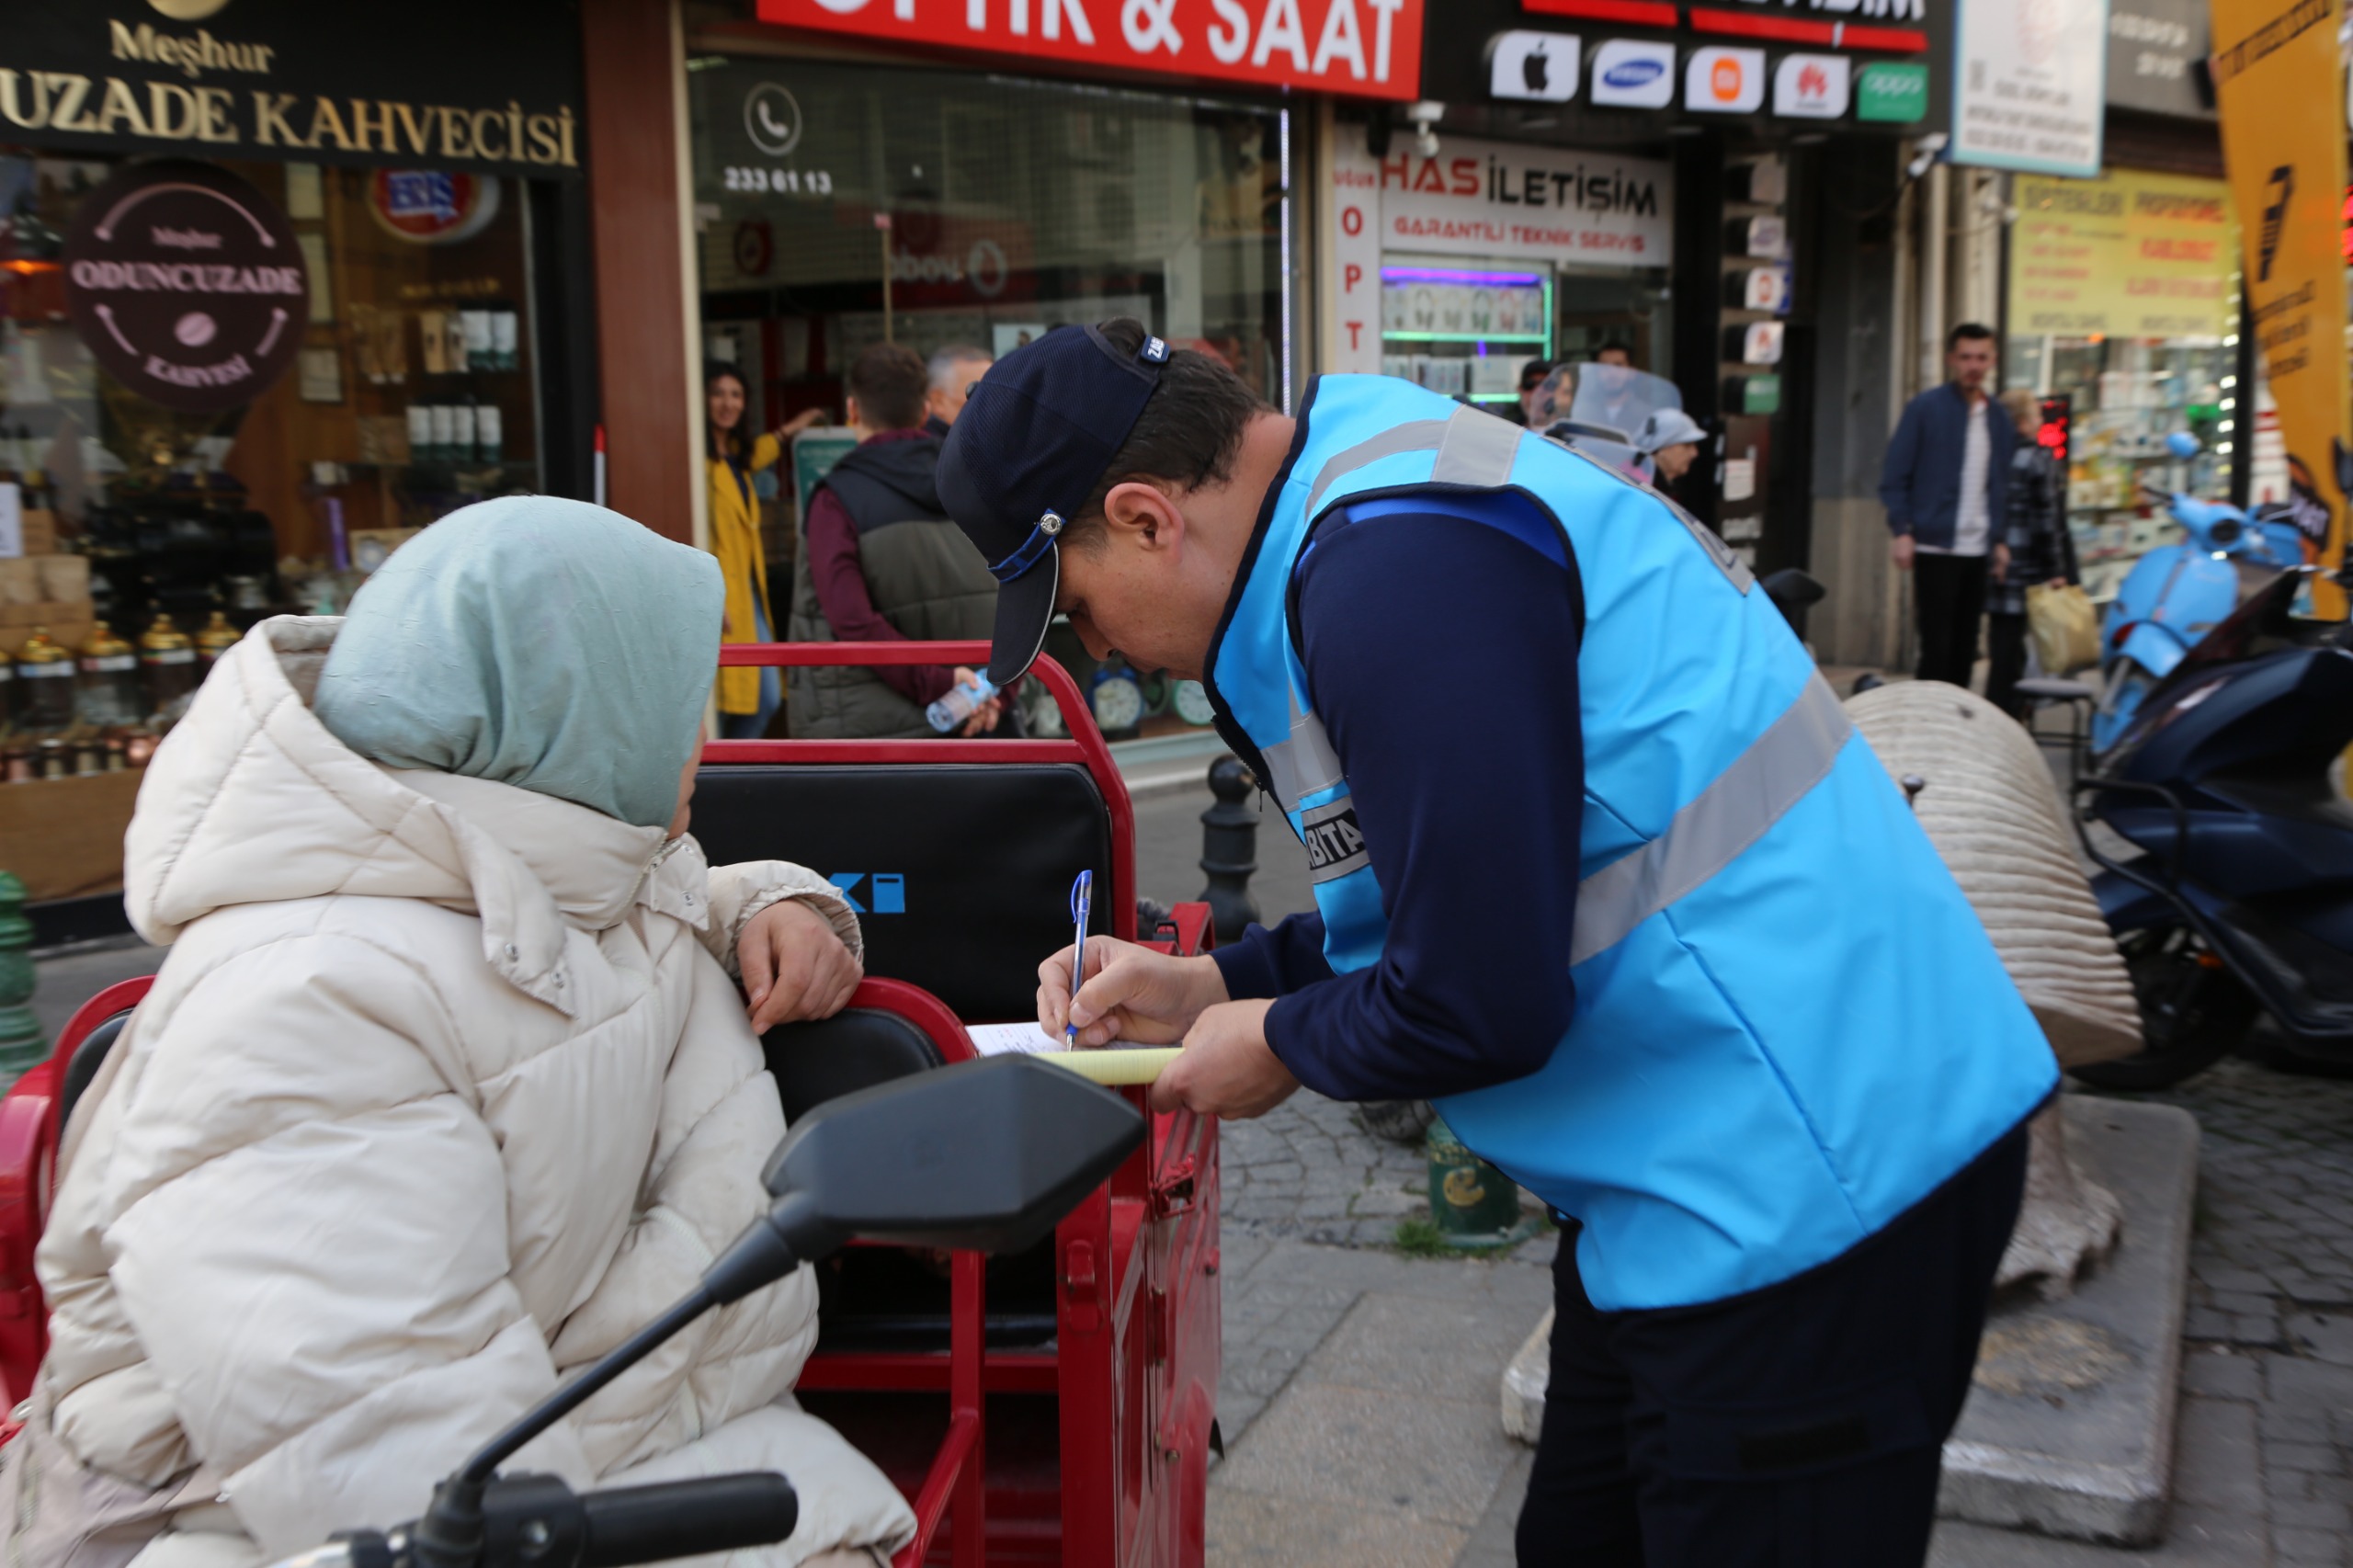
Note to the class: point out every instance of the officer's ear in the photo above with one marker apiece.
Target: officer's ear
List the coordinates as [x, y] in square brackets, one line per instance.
[1139, 513]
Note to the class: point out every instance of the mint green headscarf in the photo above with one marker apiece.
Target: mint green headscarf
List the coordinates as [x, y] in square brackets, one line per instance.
[548, 644]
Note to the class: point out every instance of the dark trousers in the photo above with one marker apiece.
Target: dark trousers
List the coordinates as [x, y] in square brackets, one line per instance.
[1795, 1427]
[2004, 661]
[1951, 592]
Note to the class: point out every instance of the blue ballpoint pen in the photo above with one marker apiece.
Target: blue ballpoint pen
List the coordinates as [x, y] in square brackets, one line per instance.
[1081, 892]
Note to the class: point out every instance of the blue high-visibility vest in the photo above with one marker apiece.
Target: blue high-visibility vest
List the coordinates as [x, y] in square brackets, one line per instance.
[1790, 1024]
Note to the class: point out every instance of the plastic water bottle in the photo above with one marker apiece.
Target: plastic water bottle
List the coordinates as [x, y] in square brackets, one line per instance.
[961, 702]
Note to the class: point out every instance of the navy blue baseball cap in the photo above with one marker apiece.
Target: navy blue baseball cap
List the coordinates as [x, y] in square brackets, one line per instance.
[1025, 455]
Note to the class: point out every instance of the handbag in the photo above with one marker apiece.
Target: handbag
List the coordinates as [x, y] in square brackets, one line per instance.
[2065, 628]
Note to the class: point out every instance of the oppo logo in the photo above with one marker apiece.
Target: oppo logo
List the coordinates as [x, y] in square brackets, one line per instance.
[1634, 73]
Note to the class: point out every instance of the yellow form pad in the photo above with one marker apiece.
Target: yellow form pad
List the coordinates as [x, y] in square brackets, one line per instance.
[1115, 1064]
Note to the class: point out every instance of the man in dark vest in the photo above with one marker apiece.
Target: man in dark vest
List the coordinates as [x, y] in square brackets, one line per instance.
[879, 561]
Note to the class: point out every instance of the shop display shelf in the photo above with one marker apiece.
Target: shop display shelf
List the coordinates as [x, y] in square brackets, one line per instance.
[1466, 336]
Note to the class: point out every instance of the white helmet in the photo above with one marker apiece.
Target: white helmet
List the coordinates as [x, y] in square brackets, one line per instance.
[1667, 428]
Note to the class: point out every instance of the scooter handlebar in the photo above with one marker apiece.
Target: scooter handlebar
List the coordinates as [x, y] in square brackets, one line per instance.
[536, 1521]
[630, 1524]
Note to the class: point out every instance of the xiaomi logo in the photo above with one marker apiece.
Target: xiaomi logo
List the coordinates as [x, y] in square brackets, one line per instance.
[1725, 80]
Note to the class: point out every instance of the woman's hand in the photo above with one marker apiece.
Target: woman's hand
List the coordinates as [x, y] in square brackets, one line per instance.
[1226, 1068]
[803, 420]
[794, 966]
[1130, 993]
[2001, 562]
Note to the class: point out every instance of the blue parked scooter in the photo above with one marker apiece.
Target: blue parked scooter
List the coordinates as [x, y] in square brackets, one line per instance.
[2230, 787]
[2177, 594]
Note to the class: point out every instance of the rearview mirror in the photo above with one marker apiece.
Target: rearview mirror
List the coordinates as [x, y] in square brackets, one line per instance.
[982, 1155]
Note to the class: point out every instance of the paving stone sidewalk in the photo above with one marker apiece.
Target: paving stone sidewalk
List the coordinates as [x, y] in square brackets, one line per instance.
[2270, 1323]
[2264, 1467]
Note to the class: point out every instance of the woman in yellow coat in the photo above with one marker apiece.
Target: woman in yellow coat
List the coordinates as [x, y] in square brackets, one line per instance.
[748, 697]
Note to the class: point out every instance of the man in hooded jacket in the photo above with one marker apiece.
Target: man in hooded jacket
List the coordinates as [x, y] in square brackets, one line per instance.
[881, 561]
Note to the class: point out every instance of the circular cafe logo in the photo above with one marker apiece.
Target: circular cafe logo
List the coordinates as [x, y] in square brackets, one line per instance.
[186, 285]
[432, 207]
[772, 119]
[188, 10]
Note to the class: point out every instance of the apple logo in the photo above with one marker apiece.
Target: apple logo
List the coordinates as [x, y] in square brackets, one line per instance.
[1532, 68]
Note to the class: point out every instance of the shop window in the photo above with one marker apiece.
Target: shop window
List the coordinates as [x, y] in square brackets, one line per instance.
[1013, 206]
[411, 393]
[838, 207]
[2124, 300]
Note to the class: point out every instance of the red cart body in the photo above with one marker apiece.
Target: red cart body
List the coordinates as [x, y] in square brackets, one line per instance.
[1084, 1443]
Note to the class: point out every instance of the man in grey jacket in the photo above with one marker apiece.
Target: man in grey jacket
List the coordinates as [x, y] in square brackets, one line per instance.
[1943, 482]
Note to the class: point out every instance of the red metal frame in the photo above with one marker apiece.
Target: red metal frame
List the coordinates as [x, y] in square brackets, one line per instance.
[1133, 1367]
[30, 1126]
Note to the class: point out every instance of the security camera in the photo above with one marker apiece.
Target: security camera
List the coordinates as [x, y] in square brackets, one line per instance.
[1929, 146]
[1423, 115]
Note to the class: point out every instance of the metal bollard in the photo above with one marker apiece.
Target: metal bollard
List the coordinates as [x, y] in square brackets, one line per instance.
[1230, 849]
[22, 1045]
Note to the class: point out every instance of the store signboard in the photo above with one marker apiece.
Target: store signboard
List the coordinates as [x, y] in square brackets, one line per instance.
[2029, 89]
[1891, 93]
[2278, 79]
[1881, 67]
[187, 284]
[1541, 67]
[2156, 57]
[1505, 201]
[438, 84]
[1717, 80]
[1634, 73]
[1493, 202]
[1368, 49]
[2128, 255]
[1811, 87]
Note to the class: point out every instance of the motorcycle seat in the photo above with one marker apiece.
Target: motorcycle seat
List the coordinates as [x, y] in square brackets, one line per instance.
[2307, 800]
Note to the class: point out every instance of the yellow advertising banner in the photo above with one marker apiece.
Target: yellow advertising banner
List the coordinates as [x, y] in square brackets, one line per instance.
[2281, 92]
[2127, 255]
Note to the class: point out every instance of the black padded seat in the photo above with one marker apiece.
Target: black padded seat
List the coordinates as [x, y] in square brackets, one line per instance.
[855, 1049]
[960, 872]
[88, 1057]
[889, 1299]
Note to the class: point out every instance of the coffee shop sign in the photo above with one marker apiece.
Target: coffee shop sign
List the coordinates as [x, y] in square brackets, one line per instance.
[257, 115]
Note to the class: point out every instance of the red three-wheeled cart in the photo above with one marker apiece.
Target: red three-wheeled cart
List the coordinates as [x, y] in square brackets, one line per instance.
[1054, 1407]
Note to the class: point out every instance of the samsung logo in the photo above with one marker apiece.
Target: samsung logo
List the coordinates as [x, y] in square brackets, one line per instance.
[1634, 73]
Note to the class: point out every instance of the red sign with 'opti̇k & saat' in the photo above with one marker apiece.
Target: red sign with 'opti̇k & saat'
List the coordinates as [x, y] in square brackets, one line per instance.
[1354, 47]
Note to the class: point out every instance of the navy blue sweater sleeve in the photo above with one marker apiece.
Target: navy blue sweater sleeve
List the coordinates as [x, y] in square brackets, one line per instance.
[1271, 963]
[1442, 654]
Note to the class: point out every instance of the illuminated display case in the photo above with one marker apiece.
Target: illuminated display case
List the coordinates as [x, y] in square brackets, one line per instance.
[1464, 331]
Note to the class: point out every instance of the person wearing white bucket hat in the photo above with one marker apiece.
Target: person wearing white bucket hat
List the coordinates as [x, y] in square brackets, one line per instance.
[1671, 440]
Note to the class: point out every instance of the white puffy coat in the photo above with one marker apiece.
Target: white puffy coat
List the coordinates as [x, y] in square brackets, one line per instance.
[442, 1092]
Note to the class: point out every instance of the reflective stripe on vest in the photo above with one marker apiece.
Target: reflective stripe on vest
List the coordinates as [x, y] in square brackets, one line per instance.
[1476, 449]
[1790, 757]
[1304, 765]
